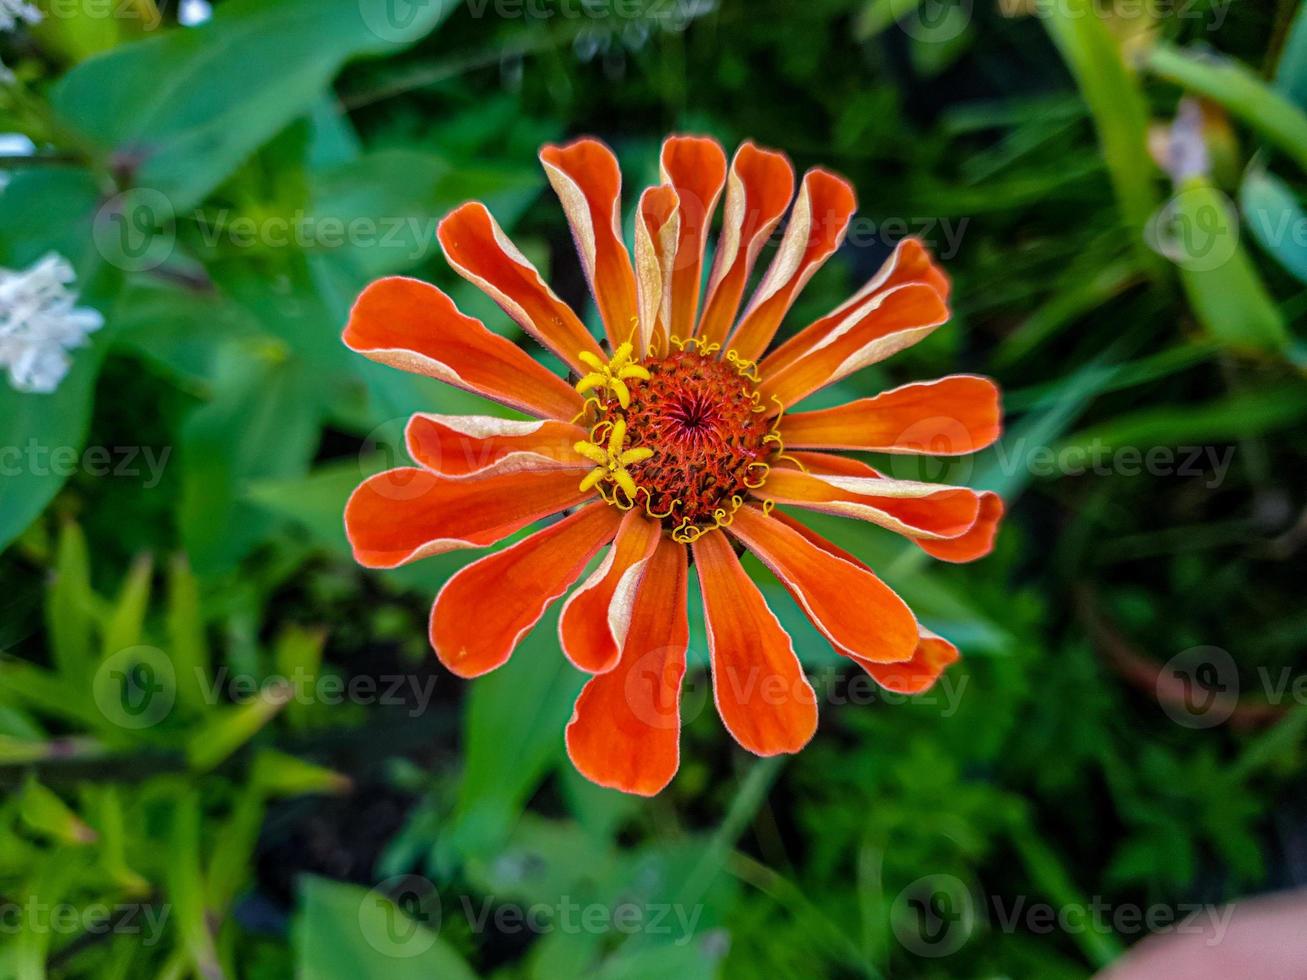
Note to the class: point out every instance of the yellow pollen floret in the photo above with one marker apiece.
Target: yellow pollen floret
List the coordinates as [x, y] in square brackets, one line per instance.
[612, 460]
[613, 375]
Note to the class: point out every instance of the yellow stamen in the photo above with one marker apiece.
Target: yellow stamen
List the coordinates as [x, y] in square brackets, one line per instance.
[612, 460]
[613, 375]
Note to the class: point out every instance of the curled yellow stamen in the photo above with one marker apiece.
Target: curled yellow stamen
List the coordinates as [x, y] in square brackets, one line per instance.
[612, 376]
[611, 460]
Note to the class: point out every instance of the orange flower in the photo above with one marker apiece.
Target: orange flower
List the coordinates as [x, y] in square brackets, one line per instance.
[675, 442]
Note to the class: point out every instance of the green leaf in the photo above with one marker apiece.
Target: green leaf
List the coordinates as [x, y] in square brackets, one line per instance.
[187, 647]
[186, 886]
[1117, 103]
[191, 105]
[230, 728]
[1291, 74]
[70, 604]
[262, 423]
[41, 435]
[1223, 286]
[298, 657]
[127, 617]
[112, 822]
[180, 329]
[512, 736]
[47, 693]
[42, 811]
[345, 931]
[391, 201]
[1231, 418]
[278, 774]
[317, 503]
[1276, 218]
[1234, 86]
[230, 855]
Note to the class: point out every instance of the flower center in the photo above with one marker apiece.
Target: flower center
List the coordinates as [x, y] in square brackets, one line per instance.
[696, 438]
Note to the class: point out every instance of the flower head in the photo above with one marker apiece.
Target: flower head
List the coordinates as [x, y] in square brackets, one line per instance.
[40, 322]
[680, 442]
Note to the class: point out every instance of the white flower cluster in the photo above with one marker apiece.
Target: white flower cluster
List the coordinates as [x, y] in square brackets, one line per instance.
[13, 11]
[40, 323]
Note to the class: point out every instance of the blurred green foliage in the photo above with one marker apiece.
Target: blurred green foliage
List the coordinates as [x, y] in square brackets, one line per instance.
[207, 770]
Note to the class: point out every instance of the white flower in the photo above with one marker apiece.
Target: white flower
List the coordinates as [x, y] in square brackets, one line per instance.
[192, 13]
[14, 11]
[39, 323]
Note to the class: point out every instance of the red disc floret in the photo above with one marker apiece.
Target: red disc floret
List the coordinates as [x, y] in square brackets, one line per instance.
[703, 419]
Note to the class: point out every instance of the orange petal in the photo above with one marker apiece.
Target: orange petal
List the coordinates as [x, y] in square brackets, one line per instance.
[851, 607]
[915, 676]
[626, 728]
[910, 263]
[405, 514]
[462, 445]
[758, 190]
[487, 607]
[655, 253]
[918, 510]
[977, 542]
[696, 167]
[596, 617]
[884, 325]
[828, 464]
[765, 701]
[949, 417]
[479, 251]
[815, 231]
[588, 182]
[413, 326]
[931, 656]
